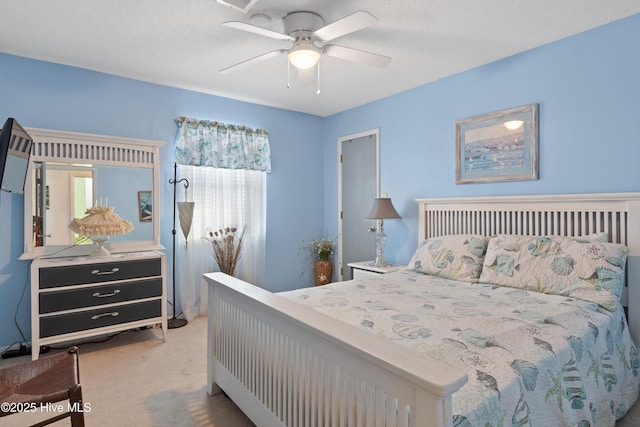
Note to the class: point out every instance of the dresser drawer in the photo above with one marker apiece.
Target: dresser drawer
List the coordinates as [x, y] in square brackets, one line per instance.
[98, 295]
[58, 324]
[51, 277]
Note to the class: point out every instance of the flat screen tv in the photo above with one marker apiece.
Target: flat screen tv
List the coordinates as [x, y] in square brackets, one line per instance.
[15, 152]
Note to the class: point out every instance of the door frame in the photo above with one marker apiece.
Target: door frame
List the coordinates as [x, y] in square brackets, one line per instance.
[376, 134]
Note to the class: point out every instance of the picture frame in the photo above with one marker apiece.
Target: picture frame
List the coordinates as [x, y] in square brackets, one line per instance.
[145, 205]
[499, 146]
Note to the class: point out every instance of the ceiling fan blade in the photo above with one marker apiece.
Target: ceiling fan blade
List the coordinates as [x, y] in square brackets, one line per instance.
[257, 30]
[252, 61]
[354, 22]
[355, 55]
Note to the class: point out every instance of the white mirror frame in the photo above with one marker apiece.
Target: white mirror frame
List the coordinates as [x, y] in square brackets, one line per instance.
[73, 147]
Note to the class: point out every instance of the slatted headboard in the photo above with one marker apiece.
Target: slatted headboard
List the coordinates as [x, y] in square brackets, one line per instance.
[617, 214]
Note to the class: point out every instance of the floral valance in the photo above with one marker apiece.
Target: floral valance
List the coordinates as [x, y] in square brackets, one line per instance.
[219, 145]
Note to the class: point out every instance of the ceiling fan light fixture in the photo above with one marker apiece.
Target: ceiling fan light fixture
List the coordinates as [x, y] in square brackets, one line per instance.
[308, 34]
[304, 57]
[513, 124]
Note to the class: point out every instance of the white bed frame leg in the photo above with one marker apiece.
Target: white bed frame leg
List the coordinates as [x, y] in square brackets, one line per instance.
[427, 407]
[212, 387]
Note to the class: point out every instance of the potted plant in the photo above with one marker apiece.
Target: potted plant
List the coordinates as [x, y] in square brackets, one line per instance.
[321, 252]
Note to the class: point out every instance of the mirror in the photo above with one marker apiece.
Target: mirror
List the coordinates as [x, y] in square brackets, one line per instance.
[69, 190]
[71, 172]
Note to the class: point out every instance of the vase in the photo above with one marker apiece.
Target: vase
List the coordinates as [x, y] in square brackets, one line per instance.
[322, 272]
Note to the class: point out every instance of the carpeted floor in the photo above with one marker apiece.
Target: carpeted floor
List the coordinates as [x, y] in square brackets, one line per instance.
[134, 379]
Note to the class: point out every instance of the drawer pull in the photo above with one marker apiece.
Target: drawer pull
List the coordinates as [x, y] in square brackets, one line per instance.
[100, 273]
[112, 314]
[112, 294]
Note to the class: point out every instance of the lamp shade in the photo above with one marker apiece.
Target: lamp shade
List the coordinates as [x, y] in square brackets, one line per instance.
[185, 211]
[383, 209]
[100, 221]
[303, 56]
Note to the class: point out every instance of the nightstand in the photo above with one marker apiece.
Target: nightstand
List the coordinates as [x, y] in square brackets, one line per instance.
[366, 269]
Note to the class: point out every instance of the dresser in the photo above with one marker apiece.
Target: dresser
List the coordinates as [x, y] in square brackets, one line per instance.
[78, 297]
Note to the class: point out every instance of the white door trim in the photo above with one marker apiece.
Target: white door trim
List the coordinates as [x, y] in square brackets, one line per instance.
[376, 133]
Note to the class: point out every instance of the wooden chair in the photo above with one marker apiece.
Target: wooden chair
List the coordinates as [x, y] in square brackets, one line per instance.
[32, 386]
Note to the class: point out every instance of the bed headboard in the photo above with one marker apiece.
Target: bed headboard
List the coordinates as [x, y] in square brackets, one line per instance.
[617, 214]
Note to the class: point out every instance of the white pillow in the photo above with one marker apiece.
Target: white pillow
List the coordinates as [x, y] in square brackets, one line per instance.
[456, 257]
[588, 270]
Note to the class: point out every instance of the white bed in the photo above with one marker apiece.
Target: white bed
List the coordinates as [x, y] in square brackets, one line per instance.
[284, 364]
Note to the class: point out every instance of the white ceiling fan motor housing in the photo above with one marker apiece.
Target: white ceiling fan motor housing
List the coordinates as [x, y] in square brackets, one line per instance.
[301, 24]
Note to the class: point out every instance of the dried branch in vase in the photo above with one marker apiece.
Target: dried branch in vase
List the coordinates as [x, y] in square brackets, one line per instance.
[226, 244]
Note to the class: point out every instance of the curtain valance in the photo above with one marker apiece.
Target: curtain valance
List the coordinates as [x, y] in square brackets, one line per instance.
[219, 145]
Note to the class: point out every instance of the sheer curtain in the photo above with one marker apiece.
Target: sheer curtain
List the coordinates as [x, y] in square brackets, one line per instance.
[226, 168]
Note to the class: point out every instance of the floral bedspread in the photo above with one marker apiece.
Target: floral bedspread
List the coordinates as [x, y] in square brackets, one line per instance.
[532, 359]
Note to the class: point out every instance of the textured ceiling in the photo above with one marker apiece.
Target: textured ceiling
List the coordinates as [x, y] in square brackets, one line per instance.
[184, 44]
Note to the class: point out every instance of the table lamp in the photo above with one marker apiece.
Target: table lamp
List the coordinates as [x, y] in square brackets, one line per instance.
[382, 209]
[99, 224]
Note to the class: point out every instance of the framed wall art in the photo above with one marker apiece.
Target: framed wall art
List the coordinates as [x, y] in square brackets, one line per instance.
[499, 146]
[145, 205]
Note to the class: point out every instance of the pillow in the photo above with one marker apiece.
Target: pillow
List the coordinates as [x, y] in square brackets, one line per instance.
[456, 257]
[587, 270]
[595, 237]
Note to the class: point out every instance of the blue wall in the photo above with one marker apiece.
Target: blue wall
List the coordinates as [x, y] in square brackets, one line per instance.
[51, 96]
[587, 87]
[588, 91]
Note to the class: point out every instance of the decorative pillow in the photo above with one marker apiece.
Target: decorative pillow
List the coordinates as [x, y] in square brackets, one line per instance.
[595, 237]
[456, 257]
[588, 270]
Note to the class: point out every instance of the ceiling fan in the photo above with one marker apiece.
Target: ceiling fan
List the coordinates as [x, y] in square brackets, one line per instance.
[309, 36]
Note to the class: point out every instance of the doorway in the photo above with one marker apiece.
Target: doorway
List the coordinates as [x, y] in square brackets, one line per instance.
[68, 193]
[359, 185]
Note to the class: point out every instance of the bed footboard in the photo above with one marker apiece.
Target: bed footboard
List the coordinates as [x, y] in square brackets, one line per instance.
[286, 365]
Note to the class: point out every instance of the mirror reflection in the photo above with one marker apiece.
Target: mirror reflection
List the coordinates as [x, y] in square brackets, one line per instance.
[62, 192]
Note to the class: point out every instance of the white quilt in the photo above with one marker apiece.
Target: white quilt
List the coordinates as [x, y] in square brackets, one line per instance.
[532, 359]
